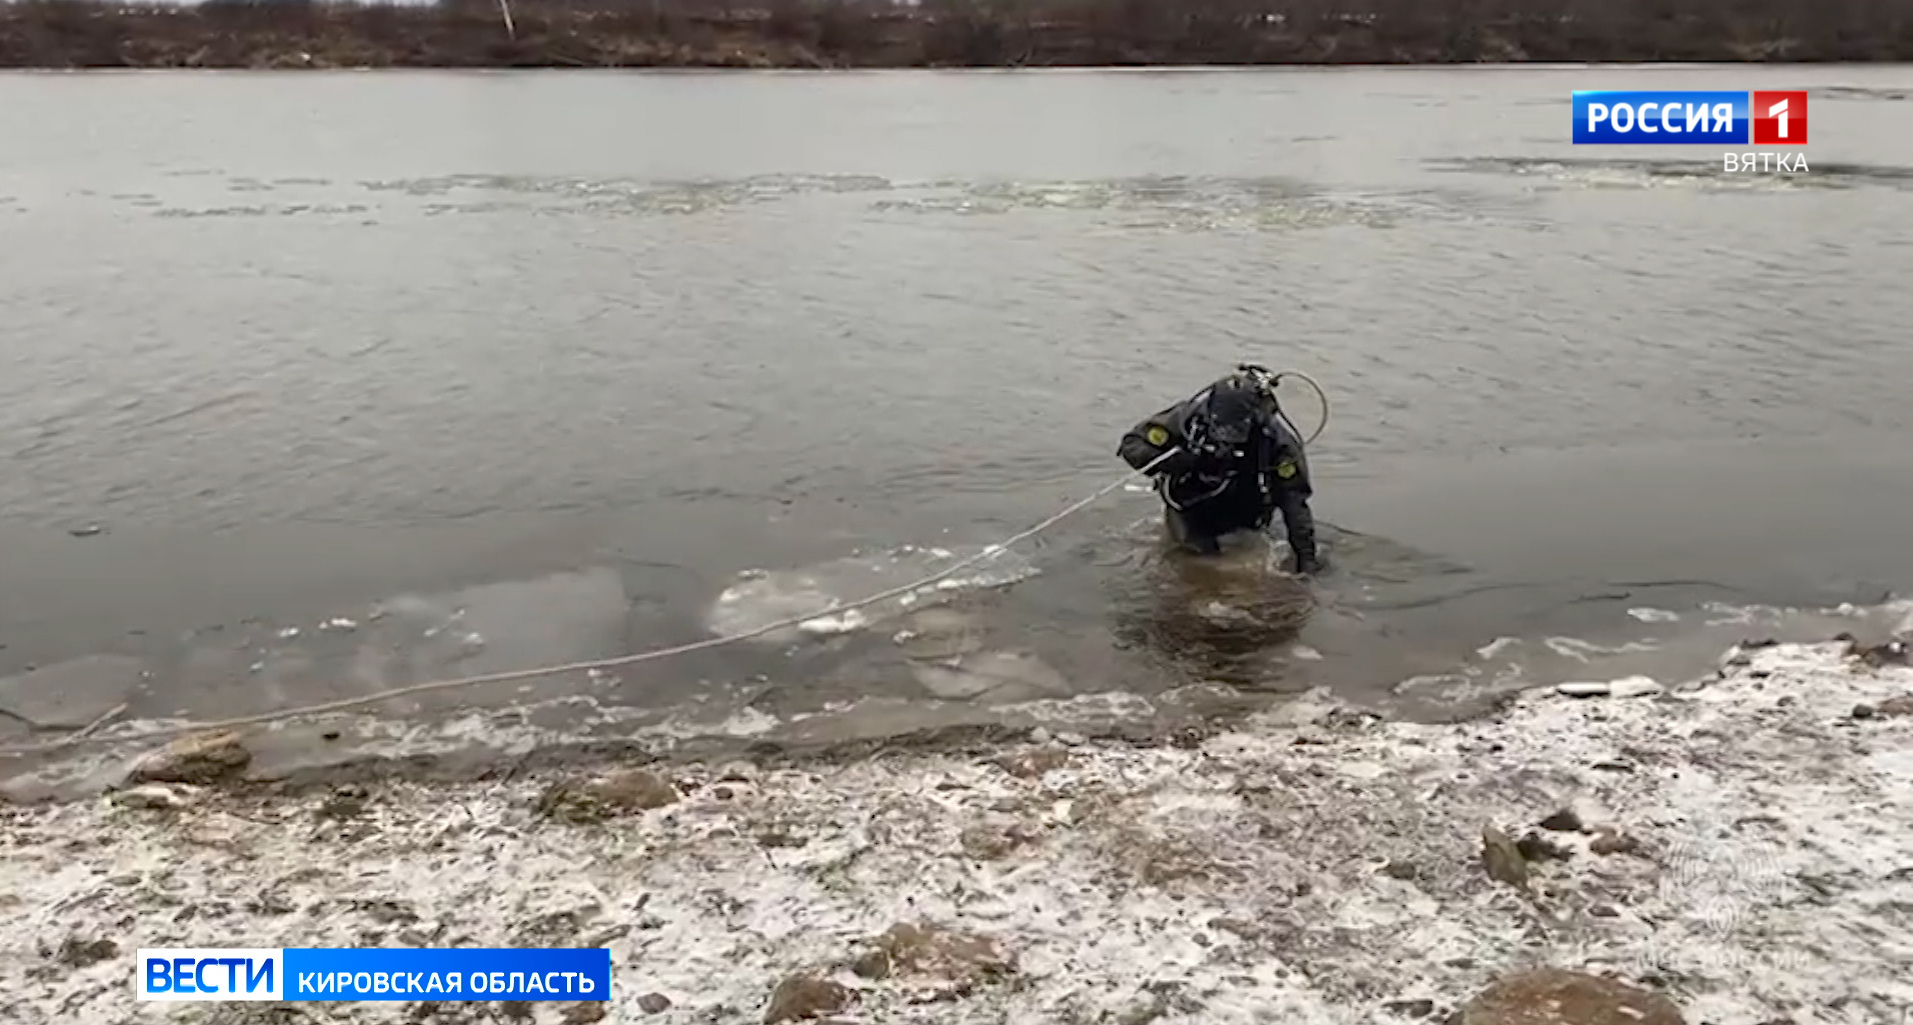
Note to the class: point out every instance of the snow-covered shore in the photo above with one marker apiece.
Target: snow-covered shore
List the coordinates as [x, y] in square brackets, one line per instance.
[1742, 846]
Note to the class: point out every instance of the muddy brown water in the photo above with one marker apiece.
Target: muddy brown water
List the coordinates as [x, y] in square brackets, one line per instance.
[451, 373]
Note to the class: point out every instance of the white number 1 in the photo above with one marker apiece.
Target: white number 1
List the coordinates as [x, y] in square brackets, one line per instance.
[1779, 110]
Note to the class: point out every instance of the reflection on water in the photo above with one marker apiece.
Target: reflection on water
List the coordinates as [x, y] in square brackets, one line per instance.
[1228, 618]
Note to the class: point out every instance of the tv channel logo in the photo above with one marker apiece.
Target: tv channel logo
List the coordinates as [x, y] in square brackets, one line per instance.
[1686, 117]
[210, 974]
[381, 973]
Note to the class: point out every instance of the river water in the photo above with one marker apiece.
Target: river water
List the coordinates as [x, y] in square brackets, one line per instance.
[531, 367]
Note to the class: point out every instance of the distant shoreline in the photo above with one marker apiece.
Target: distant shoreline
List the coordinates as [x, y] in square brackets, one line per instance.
[946, 34]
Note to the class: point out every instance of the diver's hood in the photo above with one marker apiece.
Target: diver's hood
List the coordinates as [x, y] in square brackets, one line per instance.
[1231, 412]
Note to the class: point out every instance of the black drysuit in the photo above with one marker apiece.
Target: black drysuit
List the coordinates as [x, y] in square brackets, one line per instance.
[1209, 491]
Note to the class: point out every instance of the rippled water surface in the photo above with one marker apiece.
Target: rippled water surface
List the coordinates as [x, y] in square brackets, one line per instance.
[595, 344]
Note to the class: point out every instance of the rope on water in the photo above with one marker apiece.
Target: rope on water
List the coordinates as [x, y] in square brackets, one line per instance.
[90, 737]
[345, 704]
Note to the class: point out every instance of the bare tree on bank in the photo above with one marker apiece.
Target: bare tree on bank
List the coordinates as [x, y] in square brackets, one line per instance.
[944, 33]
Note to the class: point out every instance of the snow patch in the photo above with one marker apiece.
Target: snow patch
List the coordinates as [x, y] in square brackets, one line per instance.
[1253, 878]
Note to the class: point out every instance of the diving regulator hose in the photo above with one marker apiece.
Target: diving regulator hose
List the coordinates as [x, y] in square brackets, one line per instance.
[1319, 393]
[1271, 382]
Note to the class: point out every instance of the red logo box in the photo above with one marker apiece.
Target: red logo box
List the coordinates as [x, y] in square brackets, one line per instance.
[1780, 118]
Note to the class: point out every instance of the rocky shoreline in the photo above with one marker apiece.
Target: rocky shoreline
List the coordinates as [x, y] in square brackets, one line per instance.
[1738, 851]
[285, 34]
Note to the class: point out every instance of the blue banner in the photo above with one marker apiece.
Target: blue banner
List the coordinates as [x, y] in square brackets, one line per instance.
[215, 973]
[447, 974]
[1661, 117]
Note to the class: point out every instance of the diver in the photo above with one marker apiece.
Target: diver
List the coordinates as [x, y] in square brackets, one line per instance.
[1238, 462]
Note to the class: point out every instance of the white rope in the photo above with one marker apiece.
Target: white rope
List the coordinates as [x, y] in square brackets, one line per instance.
[608, 663]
